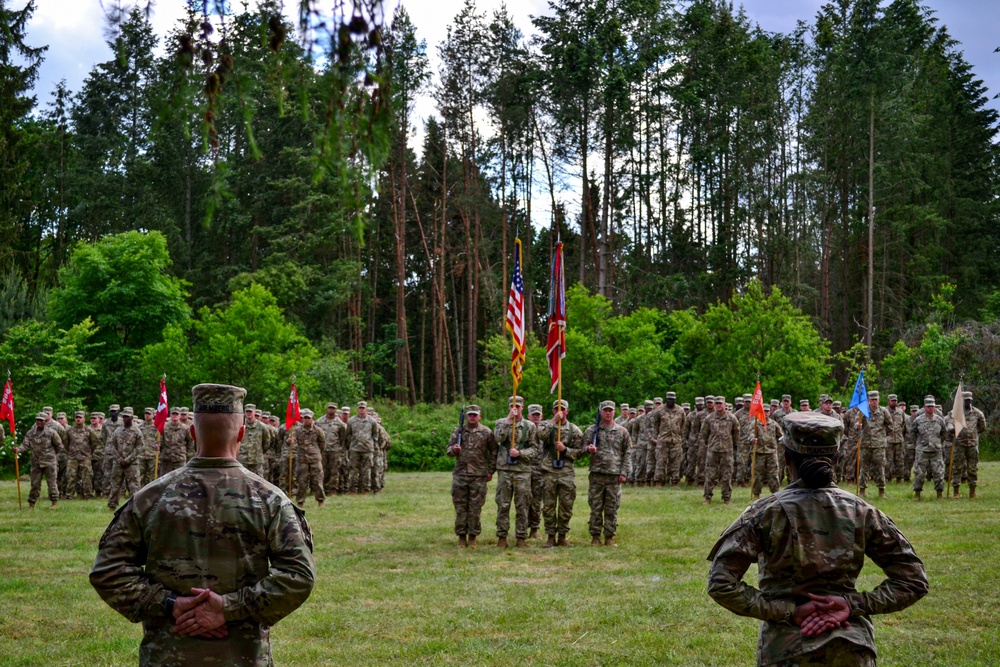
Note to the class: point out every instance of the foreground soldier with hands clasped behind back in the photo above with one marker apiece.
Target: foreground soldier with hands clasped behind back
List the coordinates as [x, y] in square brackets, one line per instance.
[208, 557]
[809, 542]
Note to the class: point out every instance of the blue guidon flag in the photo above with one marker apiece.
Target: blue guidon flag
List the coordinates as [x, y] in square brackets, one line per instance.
[860, 397]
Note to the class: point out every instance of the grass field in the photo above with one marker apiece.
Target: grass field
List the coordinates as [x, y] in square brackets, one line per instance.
[393, 588]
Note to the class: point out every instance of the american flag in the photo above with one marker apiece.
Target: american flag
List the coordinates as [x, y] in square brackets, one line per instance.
[556, 344]
[515, 314]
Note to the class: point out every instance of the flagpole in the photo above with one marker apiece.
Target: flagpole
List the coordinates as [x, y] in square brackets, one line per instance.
[756, 436]
[857, 476]
[17, 470]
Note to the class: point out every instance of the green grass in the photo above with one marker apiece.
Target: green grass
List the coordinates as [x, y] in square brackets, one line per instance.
[394, 588]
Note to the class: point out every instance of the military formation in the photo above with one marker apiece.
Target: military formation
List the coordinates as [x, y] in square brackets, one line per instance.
[715, 445]
[115, 455]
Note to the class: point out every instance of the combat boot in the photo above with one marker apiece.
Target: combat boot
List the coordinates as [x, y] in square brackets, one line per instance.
[550, 543]
[461, 540]
[881, 493]
[972, 492]
[955, 496]
[756, 496]
[596, 542]
[472, 541]
[916, 495]
[940, 494]
[861, 494]
[502, 543]
[727, 501]
[533, 534]
[707, 501]
[610, 542]
[55, 504]
[521, 544]
[561, 542]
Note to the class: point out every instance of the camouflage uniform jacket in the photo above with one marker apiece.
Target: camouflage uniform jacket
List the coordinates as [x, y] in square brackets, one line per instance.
[780, 414]
[930, 432]
[975, 424]
[746, 425]
[478, 457]
[127, 444]
[83, 442]
[335, 431]
[613, 445]
[878, 430]
[108, 430]
[525, 440]
[384, 441]
[175, 443]
[669, 425]
[898, 426]
[311, 442]
[768, 436]
[362, 433]
[44, 446]
[256, 440]
[61, 430]
[909, 434]
[812, 541]
[719, 432]
[212, 525]
[572, 437]
[692, 425]
[634, 428]
[150, 439]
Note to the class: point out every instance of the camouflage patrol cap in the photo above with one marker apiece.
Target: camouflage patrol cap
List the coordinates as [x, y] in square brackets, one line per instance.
[40, 416]
[128, 412]
[362, 404]
[624, 406]
[516, 400]
[249, 407]
[657, 400]
[114, 406]
[747, 397]
[804, 401]
[607, 405]
[671, 394]
[472, 410]
[560, 405]
[775, 402]
[710, 399]
[265, 415]
[812, 433]
[837, 404]
[331, 405]
[60, 415]
[826, 399]
[720, 399]
[967, 395]
[217, 398]
[786, 397]
[306, 413]
[344, 410]
[150, 411]
[47, 409]
[929, 400]
[892, 397]
[633, 412]
[699, 400]
[872, 394]
[535, 409]
[913, 407]
[79, 413]
[99, 414]
[739, 400]
[185, 410]
[648, 404]
[175, 411]
[686, 405]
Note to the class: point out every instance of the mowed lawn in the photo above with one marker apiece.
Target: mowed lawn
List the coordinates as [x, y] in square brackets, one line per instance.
[393, 588]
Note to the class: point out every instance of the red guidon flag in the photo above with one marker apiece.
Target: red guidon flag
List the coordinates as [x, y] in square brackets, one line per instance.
[757, 405]
[292, 413]
[7, 405]
[162, 408]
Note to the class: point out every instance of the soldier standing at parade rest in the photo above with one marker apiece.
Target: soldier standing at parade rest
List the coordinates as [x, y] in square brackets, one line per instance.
[335, 453]
[910, 442]
[894, 452]
[44, 444]
[931, 432]
[692, 425]
[562, 444]
[765, 460]
[719, 431]
[669, 442]
[384, 444]
[60, 426]
[362, 433]
[210, 551]
[109, 427]
[535, 414]
[966, 459]
[515, 455]
[174, 443]
[150, 445]
[875, 434]
[809, 542]
[126, 446]
[310, 442]
[741, 474]
[256, 441]
[83, 440]
[785, 410]
[475, 463]
[97, 456]
[609, 468]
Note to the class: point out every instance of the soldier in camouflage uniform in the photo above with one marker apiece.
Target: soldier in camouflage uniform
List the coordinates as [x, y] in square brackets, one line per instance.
[669, 442]
[875, 434]
[850, 447]
[310, 442]
[109, 427]
[273, 450]
[742, 454]
[965, 461]
[700, 445]
[517, 443]
[764, 440]
[608, 445]
[126, 447]
[535, 413]
[381, 456]
[785, 410]
[692, 424]
[362, 434]
[624, 416]
[82, 443]
[562, 444]
[174, 443]
[635, 430]
[910, 443]
[59, 426]
[894, 452]
[647, 473]
[931, 433]
[256, 440]
[97, 456]
[210, 551]
[335, 454]
[150, 448]
[475, 462]
[44, 444]
[809, 542]
[719, 431]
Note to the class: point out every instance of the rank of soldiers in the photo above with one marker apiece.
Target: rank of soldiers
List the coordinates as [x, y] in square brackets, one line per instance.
[115, 455]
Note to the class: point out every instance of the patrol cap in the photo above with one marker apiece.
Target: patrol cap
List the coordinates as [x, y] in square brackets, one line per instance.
[826, 399]
[804, 401]
[699, 400]
[624, 406]
[217, 398]
[175, 411]
[560, 405]
[892, 397]
[331, 405]
[648, 404]
[99, 414]
[79, 413]
[786, 397]
[739, 400]
[40, 416]
[633, 412]
[128, 412]
[775, 402]
[747, 397]
[929, 400]
[265, 415]
[150, 411]
[671, 394]
[515, 400]
[472, 410]
[249, 406]
[967, 395]
[872, 394]
[344, 410]
[686, 405]
[913, 407]
[657, 400]
[47, 409]
[306, 413]
[812, 433]
[114, 406]
[837, 404]
[535, 409]
[185, 410]
[60, 415]
[607, 405]
[362, 404]
[720, 399]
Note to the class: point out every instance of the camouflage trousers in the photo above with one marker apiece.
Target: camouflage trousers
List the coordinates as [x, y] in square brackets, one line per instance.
[741, 455]
[639, 463]
[272, 468]
[108, 466]
[873, 466]
[309, 476]
[79, 470]
[835, 653]
[63, 461]
[97, 470]
[51, 475]
[668, 462]
[513, 487]
[690, 460]
[128, 477]
[535, 510]
[360, 479]
[765, 471]
[719, 470]
[468, 495]
[283, 474]
[928, 464]
[909, 456]
[378, 470]
[334, 471]
[560, 494]
[699, 464]
[170, 466]
[895, 458]
[604, 499]
[147, 468]
[847, 459]
[652, 456]
[965, 465]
